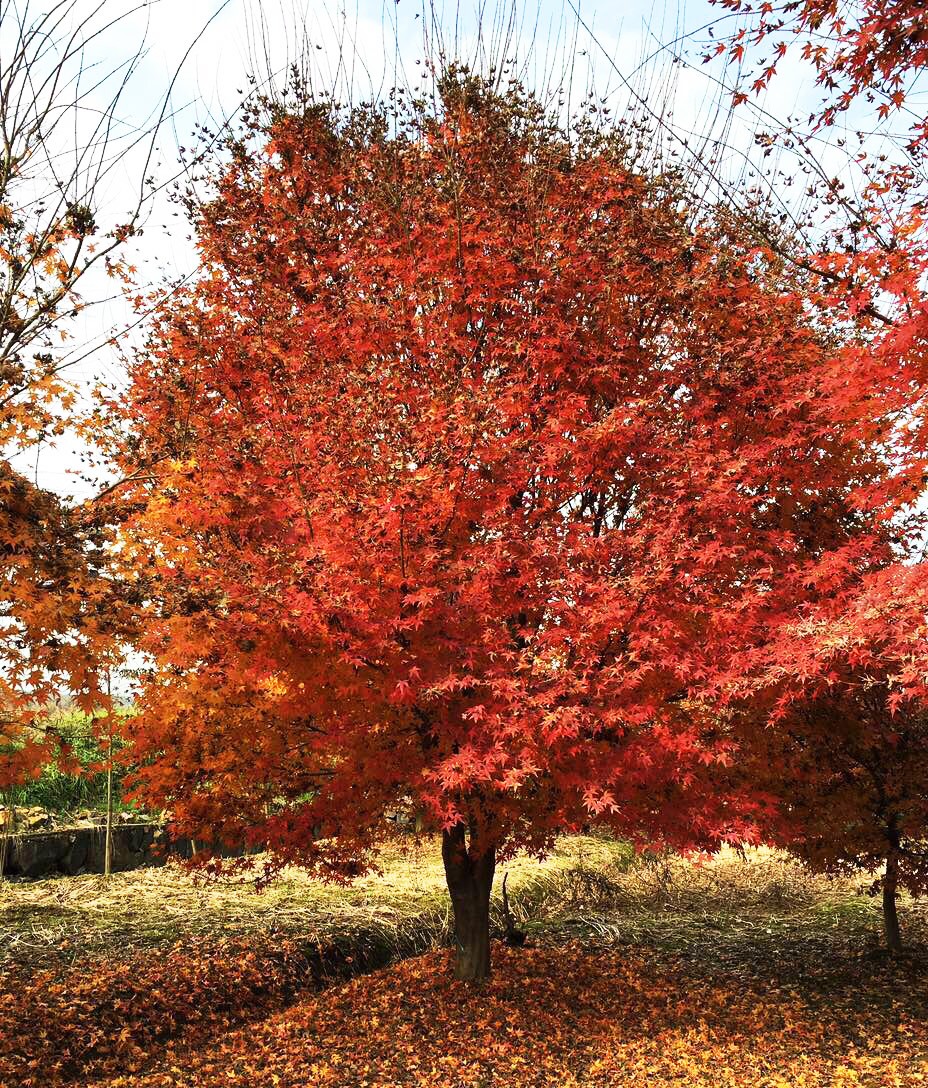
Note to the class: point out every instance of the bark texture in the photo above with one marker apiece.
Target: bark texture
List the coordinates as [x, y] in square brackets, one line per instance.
[890, 914]
[469, 871]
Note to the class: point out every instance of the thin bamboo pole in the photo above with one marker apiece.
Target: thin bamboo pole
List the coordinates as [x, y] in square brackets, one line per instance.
[9, 828]
[108, 842]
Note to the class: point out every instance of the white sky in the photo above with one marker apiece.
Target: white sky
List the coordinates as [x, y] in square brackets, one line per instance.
[380, 42]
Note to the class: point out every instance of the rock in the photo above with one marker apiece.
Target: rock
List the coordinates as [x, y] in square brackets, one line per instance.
[32, 819]
[35, 855]
[82, 849]
[75, 858]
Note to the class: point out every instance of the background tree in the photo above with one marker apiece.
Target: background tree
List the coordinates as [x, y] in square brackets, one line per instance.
[847, 733]
[475, 459]
[842, 735]
[57, 147]
[59, 611]
[74, 185]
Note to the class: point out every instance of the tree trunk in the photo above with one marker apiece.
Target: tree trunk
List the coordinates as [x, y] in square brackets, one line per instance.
[469, 873]
[890, 917]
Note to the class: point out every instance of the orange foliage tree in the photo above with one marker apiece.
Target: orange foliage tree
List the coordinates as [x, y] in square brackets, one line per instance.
[57, 609]
[59, 615]
[476, 460]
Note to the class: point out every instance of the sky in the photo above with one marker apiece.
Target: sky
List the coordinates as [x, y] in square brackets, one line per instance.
[197, 55]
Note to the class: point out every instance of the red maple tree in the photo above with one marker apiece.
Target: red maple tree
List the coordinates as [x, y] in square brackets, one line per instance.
[476, 460]
[873, 49]
[841, 733]
[847, 747]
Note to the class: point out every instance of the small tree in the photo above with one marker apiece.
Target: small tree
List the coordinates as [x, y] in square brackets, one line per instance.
[63, 138]
[844, 742]
[477, 458]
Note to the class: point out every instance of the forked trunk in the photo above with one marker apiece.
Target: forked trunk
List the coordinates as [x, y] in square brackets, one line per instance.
[890, 916]
[469, 873]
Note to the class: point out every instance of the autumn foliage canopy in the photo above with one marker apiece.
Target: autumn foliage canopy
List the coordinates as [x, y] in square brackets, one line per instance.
[481, 466]
[841, 699]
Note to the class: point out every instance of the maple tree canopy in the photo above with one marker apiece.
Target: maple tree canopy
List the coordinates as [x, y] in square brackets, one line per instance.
[838, 698]
[56, 620]
[873, 49]
[834, 724]
[477, 459]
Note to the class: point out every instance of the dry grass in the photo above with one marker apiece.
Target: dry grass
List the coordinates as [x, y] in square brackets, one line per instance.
[153, 964]
[405, 907]
[760, 913]
[733, 911]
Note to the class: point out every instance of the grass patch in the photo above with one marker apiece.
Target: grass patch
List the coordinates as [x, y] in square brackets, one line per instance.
[759, 913]
[749, 911]
[403, 908]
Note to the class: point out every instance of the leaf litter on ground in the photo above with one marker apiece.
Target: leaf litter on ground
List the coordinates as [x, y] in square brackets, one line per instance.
[177, 979]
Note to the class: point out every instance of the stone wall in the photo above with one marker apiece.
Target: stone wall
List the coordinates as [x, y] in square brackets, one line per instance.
[81, 849]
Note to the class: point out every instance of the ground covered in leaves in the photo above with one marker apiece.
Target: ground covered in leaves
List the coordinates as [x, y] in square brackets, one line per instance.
[743, 971]
[574, 1014]
[567, 1015]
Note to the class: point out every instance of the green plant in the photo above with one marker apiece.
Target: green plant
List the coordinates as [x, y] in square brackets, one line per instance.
[83, 784]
